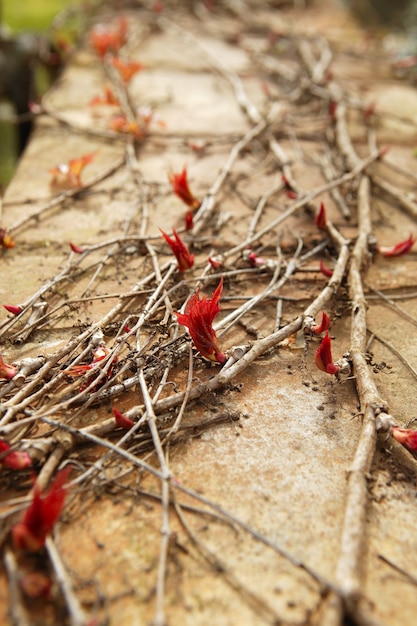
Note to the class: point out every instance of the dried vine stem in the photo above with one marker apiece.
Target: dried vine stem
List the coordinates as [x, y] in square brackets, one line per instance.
[349, 566]
[209, 201]
[18, 613]
[76, 614]
[160, 619]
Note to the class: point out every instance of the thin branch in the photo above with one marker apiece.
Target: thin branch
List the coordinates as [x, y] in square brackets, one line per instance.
[76, 613]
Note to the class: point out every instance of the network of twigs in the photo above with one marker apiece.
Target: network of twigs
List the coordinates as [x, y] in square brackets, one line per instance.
[43, 409]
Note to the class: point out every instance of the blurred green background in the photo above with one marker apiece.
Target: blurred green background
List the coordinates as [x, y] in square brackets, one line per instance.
[19, 16]
[30, 14]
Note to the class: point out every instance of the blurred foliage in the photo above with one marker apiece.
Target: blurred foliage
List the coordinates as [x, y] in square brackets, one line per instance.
[31, 15]
[17, 17]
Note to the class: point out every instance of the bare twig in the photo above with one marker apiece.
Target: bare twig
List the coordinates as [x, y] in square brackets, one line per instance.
[76, 613]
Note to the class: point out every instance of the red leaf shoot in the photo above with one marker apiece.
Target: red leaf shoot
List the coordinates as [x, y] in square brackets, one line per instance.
[182, 254]
[323, 357]
[122, 420]
[198, 318]
[13, 308]
[180, 187]
[401, 248]
[324, 325]
[325, 270]
[320, 220]
[6, 371]
[40, 517]
[406, 437]
[13, 459]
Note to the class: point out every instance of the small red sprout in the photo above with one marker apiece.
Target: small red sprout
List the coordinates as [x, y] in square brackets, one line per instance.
[13, 459]
[325, 270]
[99, 355]
[180, 186]
[107, 99]
[256, 261]
[180, 250]
[323, 356]
[198, 318]
[289, 189]
[6, 240]
[401, 248]
[215, 264]
[120, 124]
[6, 371]
[406, 437]
[332, 109]
[320, 220]
[127, 70]
[68, 175]
[324, 325]
[13, 308]
[104, 39]
[39, 518]
[122, 420]
[189, 220]
[75, 248]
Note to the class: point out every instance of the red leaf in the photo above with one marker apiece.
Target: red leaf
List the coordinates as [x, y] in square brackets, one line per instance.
[325, 324]
[40, 517]
[325, 270]
[198, 318]
[180, 250]
[6, 240]
[256, 261]
[104, 39]
[289, 189]
[407, 438]
[120, 124]
[189, 220]
[75, 248]
[214, 264]
[122, 420]
[180, 187]
[320, 220]
[107, 99]
[68, 175]
[6, 371]
[127, 70]
[323, 357]
[401, 248]
[332, 109]
[13, 459]
[12, 308]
